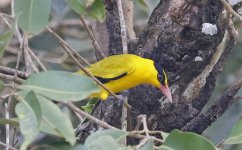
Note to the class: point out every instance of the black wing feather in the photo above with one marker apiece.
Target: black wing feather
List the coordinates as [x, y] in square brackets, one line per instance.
[106, 80]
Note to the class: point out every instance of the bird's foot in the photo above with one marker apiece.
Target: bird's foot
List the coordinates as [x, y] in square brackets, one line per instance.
[123, 97]
[120, 100]
[125, 93]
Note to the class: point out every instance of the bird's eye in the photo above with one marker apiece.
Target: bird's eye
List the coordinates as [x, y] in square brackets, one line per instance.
[160, 78]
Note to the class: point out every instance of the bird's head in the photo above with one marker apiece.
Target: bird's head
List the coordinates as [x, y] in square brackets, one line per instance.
[162, 83]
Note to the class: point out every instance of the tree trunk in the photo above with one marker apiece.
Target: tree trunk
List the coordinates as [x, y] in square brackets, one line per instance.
[173, 37]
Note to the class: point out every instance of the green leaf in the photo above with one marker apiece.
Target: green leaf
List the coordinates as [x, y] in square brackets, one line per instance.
[143, 4]
[33, 14]
[90, 105]
[65, 146]
[4, 40]
[115, 134]
[77, 5]
[12, 121]
[59, 146]
[46, 127]
[148, 145]
[89, 2]
[178, 140]
[104, 142]
[60, 86]
[29, 113]
[88, 108]
[55, 121]
[163, 147]
[90, 8]
[164, 135]
[60, 8]
[235, 136]
[97, 11]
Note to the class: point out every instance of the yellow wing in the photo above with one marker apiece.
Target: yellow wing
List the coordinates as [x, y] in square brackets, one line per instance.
[113, 67]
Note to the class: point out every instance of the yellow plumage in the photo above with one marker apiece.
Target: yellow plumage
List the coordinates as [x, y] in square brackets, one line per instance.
[121, 72]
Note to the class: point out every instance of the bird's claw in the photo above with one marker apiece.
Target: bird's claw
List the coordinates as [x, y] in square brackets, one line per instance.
[122, 98]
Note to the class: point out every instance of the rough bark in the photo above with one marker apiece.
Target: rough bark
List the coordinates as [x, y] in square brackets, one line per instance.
[173, 37]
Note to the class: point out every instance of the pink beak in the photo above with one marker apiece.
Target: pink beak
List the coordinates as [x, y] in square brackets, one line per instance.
[166, 91]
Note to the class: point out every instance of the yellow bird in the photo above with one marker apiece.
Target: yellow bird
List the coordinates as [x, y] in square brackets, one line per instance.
[122, 72]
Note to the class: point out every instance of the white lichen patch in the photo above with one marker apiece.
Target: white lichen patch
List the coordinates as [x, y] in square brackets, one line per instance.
[209, 29]
[198, 58]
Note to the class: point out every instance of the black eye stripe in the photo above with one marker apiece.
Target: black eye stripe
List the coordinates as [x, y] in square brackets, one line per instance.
[158, 67]
[160, 78]
[161, 73]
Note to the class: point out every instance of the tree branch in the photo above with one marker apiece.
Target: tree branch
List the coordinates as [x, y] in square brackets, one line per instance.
[193, 89]
[122, 27]
[128, 9]
[82, 113]
[203, 120]
[93, 39]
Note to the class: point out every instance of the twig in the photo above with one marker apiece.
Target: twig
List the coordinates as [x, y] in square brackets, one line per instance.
[237, 98]
[18, 62]
[7, 146]
[29, 65]
[12, 9]
[150, 132]
[6, 96]
[10, 71]
[124, 122]
[220, 145]
[125, 51]
[124, 117]
[37, 59]
[5, 21]
[228, 7]
[7, 125]
[14, 134]
[82, 113]
[15, 74]
[142, 142]
[23, 40]
[143, 120]
[10, 105]
[6, 15]
[122, 27]
[86, 71]
[138, 124]
[68, 47]
[93, 39]
[104, 124]
[138, 135]
[231, 29]
[11, 78]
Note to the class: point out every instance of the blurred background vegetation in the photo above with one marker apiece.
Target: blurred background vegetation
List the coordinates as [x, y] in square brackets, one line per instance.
[67, 24]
